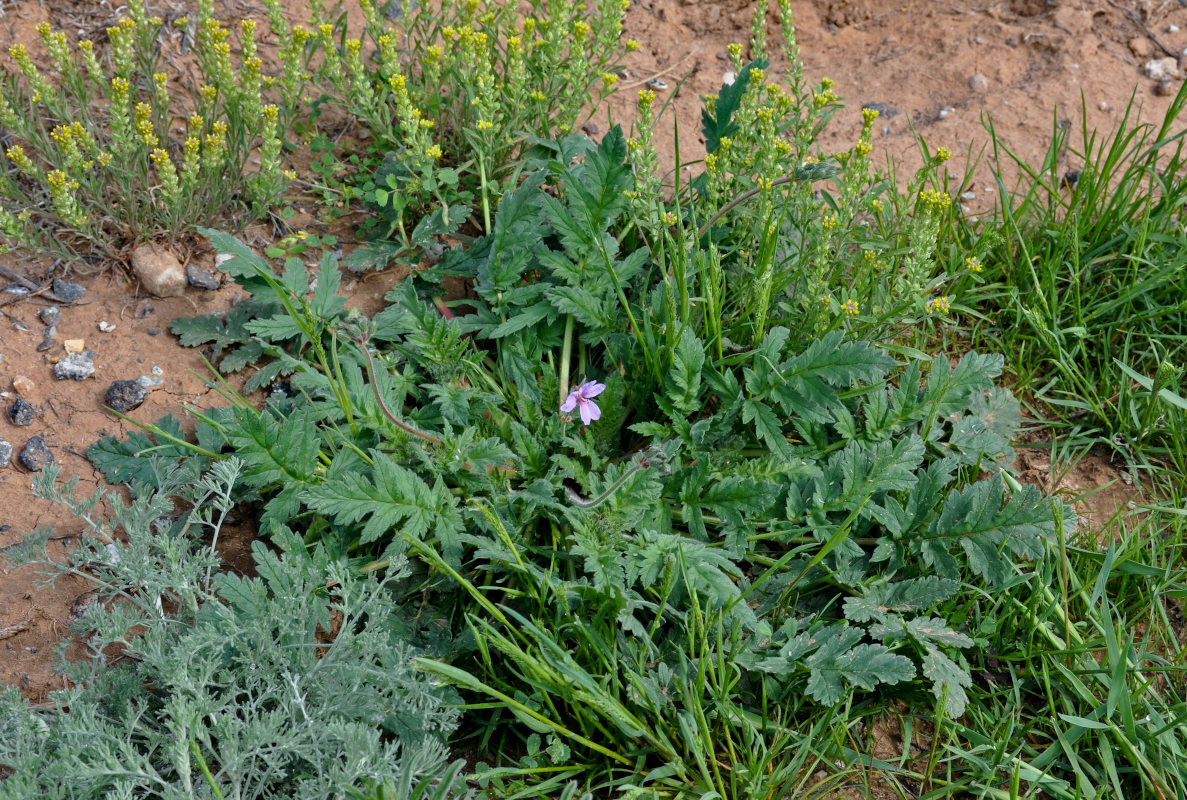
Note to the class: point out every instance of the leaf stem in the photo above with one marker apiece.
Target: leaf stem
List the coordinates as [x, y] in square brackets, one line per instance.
[566, 357]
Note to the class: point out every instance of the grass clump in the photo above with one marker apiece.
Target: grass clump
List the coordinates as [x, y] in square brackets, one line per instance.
[1085, 283]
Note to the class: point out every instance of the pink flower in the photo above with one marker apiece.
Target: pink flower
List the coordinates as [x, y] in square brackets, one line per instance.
[581, 399]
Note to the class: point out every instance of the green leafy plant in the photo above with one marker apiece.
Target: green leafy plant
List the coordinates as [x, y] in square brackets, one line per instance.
[297, 682]
[796, 510]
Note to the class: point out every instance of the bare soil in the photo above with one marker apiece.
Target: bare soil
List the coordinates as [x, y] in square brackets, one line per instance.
[1038, 57]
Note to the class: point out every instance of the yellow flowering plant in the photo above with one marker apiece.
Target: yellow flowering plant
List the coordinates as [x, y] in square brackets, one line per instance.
[479, 86]
[816, 240]
[95, 159]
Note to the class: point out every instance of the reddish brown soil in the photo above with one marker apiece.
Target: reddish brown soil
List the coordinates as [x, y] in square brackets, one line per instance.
[914, 55]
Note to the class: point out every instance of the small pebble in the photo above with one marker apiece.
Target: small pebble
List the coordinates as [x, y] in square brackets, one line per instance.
[1071, 178]
[22, 385]
[1165, 88]
[157, 370]
[143, 309]
[435, 252]
[969, 196]
[978, 83]
[657, 84]
[945, 112]
[16, 289]
[106, 326]
[47, 339]
[68, 290]
[201, 278]
[153, 331]
[149, 382]
[590, 129]
[124, 396]
[35, 455]
[75, 345]
[723, 56]
[5, 453]
[50, 315]
[21, 412]
[75, 367]
[1172, 28]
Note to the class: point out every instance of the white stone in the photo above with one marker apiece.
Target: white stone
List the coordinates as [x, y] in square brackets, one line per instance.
[1163, 69]
[159, 270]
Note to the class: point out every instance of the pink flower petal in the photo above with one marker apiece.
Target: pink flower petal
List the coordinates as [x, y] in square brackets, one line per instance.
[590, 412]
[570, 403]
[592, 389]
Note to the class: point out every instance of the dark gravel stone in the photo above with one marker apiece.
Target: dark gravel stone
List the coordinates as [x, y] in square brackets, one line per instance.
[21, 412]
[885, 110]
[124, 396]
[68, 290]
[50, 315]
[47, 339]
[5, 453]
[153, 331]
[75, 367]
[201, 278]
[35, 455]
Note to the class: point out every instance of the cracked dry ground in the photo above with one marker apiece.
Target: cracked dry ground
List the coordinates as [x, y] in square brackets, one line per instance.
[917, 56]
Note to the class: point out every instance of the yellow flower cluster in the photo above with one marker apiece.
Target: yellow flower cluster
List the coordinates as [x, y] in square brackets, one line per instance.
[941, 303]
[973, 264]
[166, 174]
[826, 94]
[851, 308]
[934, 200]
[17, 155]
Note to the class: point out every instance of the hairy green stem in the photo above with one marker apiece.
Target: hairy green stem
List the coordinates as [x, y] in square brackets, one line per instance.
[387, 412]
[581, 502]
